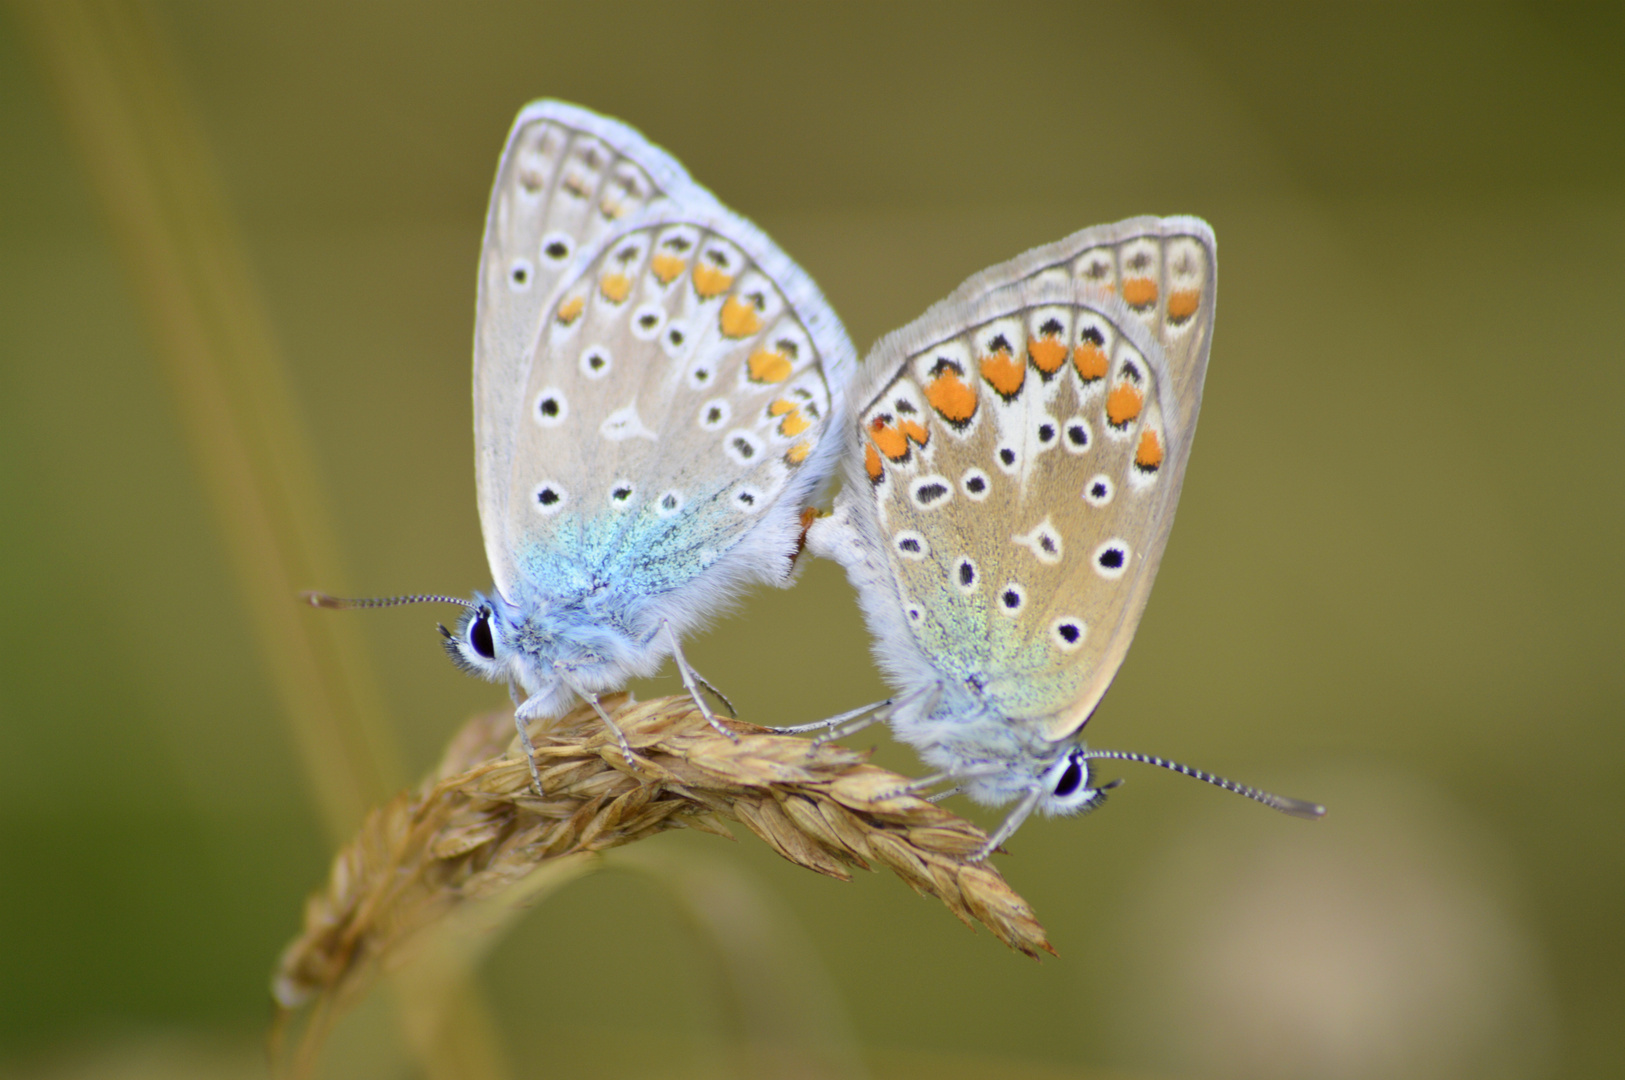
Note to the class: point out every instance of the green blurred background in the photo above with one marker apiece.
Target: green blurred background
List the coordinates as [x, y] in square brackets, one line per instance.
[1390, 589]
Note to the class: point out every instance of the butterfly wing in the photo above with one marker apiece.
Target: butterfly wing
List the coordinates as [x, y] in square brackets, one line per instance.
[681, 402]
[567, 178]
[1016, 464]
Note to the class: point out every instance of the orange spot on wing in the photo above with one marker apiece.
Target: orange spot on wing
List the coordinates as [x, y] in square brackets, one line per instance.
[914, 431]
[615, 287]
[666, 267]
[1183, 304]
[890, 441]
[1124, 403]
[1090, 360]
[1048, 354]
[798, 453]
[1003, 373]
[871, 462]
[1139, 292]
[794, 423]
[780, 406]
[767, 366]
[1149, 455]
[570, 310]
[709, 281]
[739, 318]
[949, 395]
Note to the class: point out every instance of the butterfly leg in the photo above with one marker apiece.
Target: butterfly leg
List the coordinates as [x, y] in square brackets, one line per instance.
[914, 787]
[851, 723]
[692, 681]
[522, 722]
[592, 699]
[845, 731]
[833, 721]
[1011, 823]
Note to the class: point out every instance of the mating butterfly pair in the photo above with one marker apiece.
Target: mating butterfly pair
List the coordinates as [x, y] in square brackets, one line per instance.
[659, 391]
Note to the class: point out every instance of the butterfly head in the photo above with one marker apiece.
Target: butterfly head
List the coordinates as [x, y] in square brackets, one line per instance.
[1065, 786]
[483, 641]
[1000, 763]
[549, 650]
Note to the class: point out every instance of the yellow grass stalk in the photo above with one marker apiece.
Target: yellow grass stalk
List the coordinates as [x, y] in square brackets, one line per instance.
[477, 831]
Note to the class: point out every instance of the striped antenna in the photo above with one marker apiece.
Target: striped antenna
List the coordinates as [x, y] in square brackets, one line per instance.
[322, 600]
[1296, 807]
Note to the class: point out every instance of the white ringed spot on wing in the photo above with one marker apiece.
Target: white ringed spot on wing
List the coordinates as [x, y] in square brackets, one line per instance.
[521, 273]
[556, 247]
[747, 500]
[1045, 432]
[1098, 491]
[1068, 633]
[715, 414]
[975, 485]
[1012, 598]
[647, 321]
[595, 362]
[744, 447]
[910, 545]
[675, 341]
[930, 492]
[551, 407]
[701, 374]
[1111, 559]
[1044, 541]
[549, 497]
[669, 504]
[621, 492]
[1076, 436]
[1009, 459]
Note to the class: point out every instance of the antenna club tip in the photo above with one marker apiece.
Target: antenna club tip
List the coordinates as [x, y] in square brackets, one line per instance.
[319, 599]
[1308, 811]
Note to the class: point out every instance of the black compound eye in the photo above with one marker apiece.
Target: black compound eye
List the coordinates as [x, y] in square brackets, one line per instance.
[479, 635]
[1071, 778]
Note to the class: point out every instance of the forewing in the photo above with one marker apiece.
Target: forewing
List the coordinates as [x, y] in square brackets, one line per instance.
[1022, 451]
[567, 178]
[685, 392]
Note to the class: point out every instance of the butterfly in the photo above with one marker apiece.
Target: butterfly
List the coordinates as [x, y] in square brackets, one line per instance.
[658, 392]
[1013, 463]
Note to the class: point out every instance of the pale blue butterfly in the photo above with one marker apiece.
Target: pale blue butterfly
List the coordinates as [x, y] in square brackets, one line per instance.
[658, 391]
[1012, 468]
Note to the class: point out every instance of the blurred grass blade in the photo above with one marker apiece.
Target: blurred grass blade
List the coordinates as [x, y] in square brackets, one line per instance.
[149, 167]
[151, 173]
